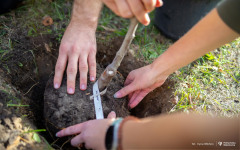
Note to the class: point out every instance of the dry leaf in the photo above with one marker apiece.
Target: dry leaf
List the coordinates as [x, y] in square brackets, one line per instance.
[177, 72]
[48, 49]
[47, 21]
[174, 100]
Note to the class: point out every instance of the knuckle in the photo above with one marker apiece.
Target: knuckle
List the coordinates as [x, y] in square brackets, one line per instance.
[64, 48]
[138, 12]
[93, 49]
[83, 66]
[71, 70]
[92, 64]
[74, 49]
[58, 67]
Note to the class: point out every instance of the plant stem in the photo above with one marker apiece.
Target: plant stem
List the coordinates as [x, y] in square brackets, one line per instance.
[111, 69]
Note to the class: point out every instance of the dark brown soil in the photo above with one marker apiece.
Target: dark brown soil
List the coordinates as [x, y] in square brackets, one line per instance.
[62, 110]
[154, 103]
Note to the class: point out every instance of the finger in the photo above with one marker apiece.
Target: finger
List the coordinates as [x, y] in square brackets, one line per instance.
[159, 3]
[111, 115]
[75, 129]
[149, 5]
[134, 95]
[112, 5]
[92, 66]
[138, 99]
[139, 12]
[126, 90]
[129, 79]
[130, 95]
[77, 140]
[71, 73]
[83, 69]
[59, 69]
[124, 8]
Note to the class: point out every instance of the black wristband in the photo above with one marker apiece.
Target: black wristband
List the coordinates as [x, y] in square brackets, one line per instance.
[109, 138]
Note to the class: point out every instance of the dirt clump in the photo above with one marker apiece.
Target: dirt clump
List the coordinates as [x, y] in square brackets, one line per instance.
[62, 110]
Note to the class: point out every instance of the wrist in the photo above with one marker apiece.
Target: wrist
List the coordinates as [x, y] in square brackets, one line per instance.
[113, 138]
[86, 13]
[83, 26]
[164, 65]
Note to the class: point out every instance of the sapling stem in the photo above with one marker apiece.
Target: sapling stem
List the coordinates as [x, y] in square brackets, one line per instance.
[111, 69]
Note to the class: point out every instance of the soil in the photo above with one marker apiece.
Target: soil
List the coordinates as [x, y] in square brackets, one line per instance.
[13, 127]
[62, 110]
[28, 67]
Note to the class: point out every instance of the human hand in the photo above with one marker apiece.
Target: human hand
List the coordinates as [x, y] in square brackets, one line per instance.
[130, 8]
[77, 49]
[91, 133]
[139, 83]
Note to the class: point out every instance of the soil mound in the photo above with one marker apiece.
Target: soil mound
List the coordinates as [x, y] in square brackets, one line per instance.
[62, 110]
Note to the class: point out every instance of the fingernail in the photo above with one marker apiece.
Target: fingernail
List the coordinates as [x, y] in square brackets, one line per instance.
[70, 90]
[56, 85]
[83, 87]
[92, 78]
[57, 134]
[116, 95]
[147, 21]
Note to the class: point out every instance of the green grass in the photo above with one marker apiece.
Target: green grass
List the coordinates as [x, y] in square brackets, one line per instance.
[211, 82]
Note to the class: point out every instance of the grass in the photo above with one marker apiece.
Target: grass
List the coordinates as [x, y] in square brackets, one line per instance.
[211, 83]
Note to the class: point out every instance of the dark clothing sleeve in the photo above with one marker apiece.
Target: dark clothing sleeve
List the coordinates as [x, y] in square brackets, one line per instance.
[229, 12]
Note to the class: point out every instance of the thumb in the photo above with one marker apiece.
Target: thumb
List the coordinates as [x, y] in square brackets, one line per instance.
[126, 90]
[111, 115]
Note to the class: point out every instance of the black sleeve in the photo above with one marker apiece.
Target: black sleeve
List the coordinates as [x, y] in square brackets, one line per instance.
[229, 12]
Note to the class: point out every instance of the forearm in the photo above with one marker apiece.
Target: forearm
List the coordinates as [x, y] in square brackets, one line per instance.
[210, 33]
[86, 13]
[178, 131]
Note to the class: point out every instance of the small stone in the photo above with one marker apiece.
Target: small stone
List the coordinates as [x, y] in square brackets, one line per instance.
[17, 122]
[2, 147]
[8, 122]
[13, 137]
[4, 134]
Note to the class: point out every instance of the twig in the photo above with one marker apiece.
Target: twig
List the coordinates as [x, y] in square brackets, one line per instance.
[15, 143]
[111, 69]
[25, 140]
[30, 88]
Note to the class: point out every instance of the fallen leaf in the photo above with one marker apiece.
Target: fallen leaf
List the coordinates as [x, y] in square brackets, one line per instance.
[177, 72]
[47, 21]
[174, 100]
[48, 49]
